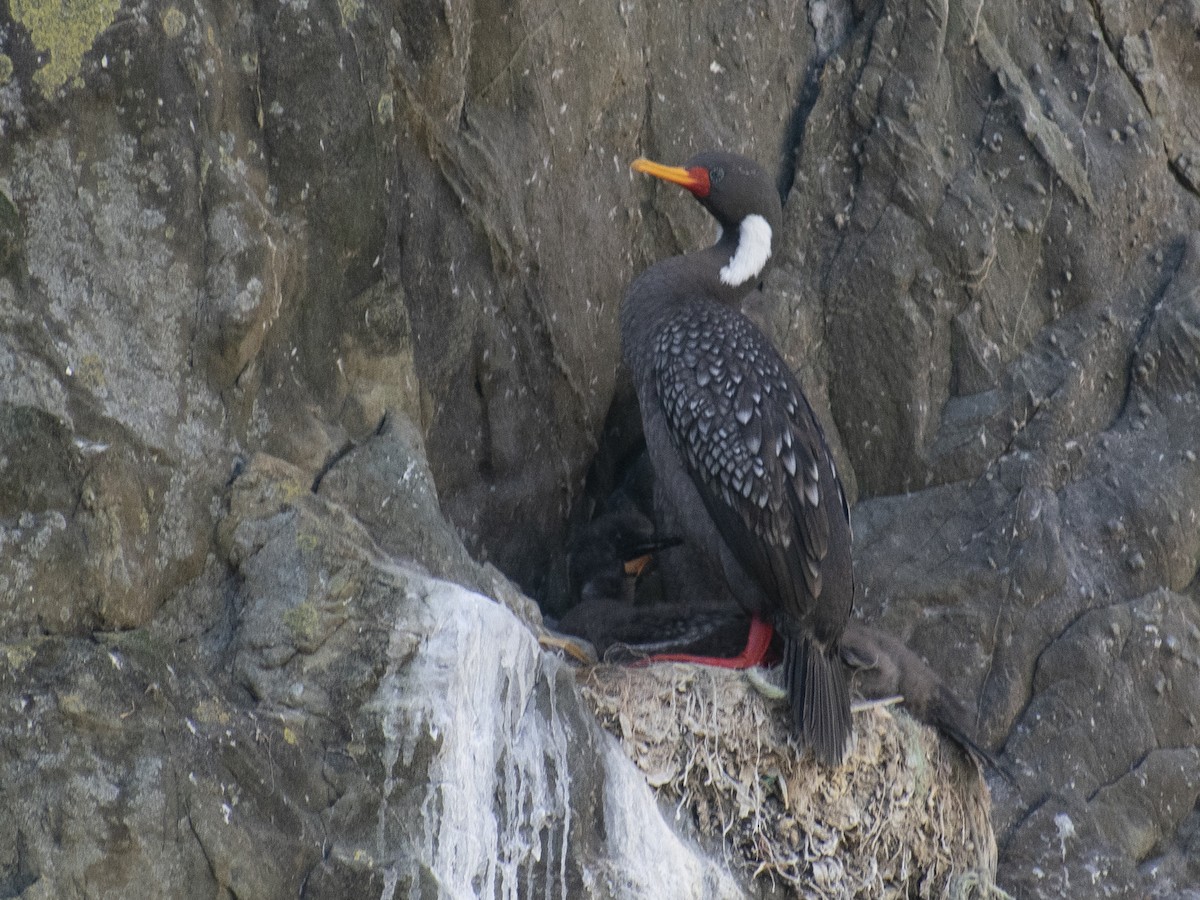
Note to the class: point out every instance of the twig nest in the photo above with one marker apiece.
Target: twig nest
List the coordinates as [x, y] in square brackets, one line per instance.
[907, 815]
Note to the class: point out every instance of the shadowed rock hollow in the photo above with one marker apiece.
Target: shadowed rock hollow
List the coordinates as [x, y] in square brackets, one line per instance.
[308, 334]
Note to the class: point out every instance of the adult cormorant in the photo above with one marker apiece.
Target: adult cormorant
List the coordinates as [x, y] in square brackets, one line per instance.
[742, 468]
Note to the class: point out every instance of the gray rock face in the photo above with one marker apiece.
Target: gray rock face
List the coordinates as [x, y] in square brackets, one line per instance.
[1010, 276]
[269, 275]
[405, 737]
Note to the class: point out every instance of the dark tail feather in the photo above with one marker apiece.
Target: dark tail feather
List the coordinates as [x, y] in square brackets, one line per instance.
[948, 715]
[819, 699]
[981, 756]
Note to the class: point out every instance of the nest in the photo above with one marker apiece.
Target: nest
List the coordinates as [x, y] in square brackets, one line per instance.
[907, 815]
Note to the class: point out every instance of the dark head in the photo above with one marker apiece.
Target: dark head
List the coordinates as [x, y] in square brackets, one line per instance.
[609, 553]
[740, 196]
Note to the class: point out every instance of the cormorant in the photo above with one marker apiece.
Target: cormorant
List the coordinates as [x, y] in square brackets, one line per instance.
[742, 468]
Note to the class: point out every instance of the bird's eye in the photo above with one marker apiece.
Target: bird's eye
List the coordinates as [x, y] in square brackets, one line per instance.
[715, 174]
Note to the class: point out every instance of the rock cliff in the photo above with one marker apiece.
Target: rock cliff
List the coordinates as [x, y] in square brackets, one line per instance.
[308, 338]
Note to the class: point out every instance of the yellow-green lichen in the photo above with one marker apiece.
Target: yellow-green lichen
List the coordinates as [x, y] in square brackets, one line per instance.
[18, 655]
[342, 587]
[6, 69]
[350, 10]
[73, 705]
[285, 490]
[173, 22]
[211, 712]
[65, 30]
[304, 622]
[90, 371]
[385, 108]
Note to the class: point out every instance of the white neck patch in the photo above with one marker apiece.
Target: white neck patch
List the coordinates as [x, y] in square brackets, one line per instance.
[753, 251]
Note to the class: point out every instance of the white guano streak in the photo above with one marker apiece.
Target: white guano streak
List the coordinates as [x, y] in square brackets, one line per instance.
[753, 251]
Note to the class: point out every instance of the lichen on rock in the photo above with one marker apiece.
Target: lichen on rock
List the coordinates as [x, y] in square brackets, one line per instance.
[65, 31]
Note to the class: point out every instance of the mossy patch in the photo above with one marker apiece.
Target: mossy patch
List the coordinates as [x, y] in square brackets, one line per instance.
[90, 371]
[65, 30]
[211, 712]
[350, 10]
[304, 622]
[18, 655]
[173, 22]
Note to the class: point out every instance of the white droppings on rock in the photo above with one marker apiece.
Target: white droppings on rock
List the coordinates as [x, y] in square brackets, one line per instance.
[480, 707]
[465, 691]
[646, 854]
[1066, 829]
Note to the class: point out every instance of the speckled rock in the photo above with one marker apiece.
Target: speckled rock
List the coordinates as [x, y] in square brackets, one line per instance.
[388, 710]
[384, 245]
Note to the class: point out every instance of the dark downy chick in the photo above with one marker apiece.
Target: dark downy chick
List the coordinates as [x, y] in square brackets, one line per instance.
[883, 666]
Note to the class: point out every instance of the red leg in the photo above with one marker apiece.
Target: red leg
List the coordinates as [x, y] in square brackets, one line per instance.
[758, 642]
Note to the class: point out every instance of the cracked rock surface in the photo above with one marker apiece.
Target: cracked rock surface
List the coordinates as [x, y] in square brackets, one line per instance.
[307, 342]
